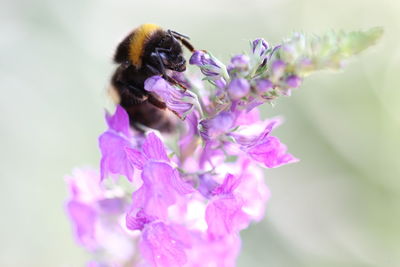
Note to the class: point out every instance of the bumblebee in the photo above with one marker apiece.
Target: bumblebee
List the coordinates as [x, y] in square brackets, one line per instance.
[148, 50]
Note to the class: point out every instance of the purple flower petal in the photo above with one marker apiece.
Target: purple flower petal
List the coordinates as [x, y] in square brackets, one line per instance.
[112, 206]
[114, 158]
[252, 189]
[224, 213]
[293, 81]
[163, 245]
[83, 218]
[253, 103]
[119, 122]
[136, 157]
[154, 148]
[259, 47]
[228, 186]
[275, 50]
[278, 68]
[201, 58]
[208, 251]
[271, 152]
[220, 124]
[207, 185]
[176, 100]
[209, 152]
[162, 187]
[84, 185]
[197, 58]
[224, 216]
[220, 83]
[112, 145]
[239, 62]
[264, 148]
[138, 221]
[189, 140]
[249, 135]
[95, 264]
[94, 211]
[264, 85]
[238, 88]
[208, 65]
[247, 118]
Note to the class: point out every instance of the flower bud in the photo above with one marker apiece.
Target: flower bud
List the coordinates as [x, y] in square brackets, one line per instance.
[293, 81]
[278, 69]
[264, 85]
[238, 88]
[240, 62]
[197, 58]
[216, 126]
[259, 47]
[207, 64]
[220, 83]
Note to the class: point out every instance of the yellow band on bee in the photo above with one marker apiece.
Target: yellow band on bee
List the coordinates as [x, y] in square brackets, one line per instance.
[139, 37]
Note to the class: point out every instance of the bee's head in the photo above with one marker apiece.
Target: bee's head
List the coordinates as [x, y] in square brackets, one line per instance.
[165, 49]
[171, 54]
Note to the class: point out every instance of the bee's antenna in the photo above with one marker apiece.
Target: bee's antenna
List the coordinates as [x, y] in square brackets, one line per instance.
[177, 34]
[183, 38]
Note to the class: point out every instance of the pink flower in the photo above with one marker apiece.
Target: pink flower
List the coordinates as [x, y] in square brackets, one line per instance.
[84, 190]
[94, 213]
[252, 189]
[206, 251]
[83, 217]
[271, 152]
[164, 245]
[119, 122]
[262, 147]
[214, 127]
[152, 150]
[114, 159]
[162, 186]
[189, 140]
[112, 145]
[224, 213]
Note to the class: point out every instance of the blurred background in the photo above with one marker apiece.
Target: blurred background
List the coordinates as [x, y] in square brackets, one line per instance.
[338, 207]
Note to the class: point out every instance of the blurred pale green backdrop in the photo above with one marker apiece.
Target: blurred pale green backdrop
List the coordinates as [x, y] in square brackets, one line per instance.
[338, 207]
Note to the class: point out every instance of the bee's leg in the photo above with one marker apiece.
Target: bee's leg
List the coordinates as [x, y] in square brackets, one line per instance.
[153, 69]
[175, 82]
[156, 102]
[161, 105]
[166, 77]
[163, 70]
